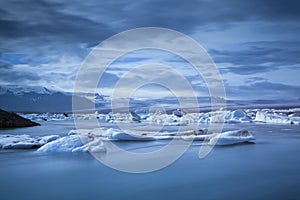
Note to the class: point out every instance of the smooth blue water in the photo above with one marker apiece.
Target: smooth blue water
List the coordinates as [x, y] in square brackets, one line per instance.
[269, 169]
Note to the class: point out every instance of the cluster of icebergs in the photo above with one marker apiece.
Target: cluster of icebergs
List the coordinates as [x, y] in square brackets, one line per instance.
[284, 116]
[92, 141]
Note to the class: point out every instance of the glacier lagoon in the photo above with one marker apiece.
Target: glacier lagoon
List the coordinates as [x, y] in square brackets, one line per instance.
[269, 168]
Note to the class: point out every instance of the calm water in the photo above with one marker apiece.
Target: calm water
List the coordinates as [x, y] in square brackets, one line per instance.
[269, 169]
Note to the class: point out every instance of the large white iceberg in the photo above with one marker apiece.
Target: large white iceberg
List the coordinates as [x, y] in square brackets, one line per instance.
[73, 143]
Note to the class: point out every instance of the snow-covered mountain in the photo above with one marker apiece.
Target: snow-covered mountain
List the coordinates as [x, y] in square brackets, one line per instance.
[37, 99]
[20, 90]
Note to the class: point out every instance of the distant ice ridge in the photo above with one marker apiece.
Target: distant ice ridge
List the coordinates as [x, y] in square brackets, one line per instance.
[24, 141]
[174, 119]
[274, 116]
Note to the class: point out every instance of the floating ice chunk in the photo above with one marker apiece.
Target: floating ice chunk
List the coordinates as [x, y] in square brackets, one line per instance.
[74, 143]
[24, 141]
[231, 137]
[129, 137]
[274, 118]
[48, 138]
[64, 144]
[204, 118]
[96, 146]
[237, 116]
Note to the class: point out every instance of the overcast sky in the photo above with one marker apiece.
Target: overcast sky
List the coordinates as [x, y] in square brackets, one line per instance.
[255, 44]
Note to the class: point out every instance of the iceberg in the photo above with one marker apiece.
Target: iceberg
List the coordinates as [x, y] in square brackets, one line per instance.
[276, 118]
[64, 144]
[231, 137]
[130, 137]
[73, 143]
[237, 116]
[24, 141]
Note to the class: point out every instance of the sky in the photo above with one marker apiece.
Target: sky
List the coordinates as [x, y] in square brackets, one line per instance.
[254, 44]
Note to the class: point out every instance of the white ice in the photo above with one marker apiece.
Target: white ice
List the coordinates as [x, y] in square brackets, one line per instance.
[74, 143]
[276, 118]
[231, 137]
[24, 141]
[279, 116]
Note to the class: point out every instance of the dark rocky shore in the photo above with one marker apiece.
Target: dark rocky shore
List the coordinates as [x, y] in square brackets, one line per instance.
[12, 120]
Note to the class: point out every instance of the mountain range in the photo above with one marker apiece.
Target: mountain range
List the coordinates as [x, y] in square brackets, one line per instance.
[38, 99]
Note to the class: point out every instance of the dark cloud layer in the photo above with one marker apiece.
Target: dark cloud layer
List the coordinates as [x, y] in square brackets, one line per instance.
[259, 57]
[264, 90]
[74, 23]
[44, 31]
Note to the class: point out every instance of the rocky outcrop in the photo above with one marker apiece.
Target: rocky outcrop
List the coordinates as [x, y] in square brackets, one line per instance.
[12, 120]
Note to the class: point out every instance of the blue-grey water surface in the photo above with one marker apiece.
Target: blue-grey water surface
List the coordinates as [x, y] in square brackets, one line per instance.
[268, 169]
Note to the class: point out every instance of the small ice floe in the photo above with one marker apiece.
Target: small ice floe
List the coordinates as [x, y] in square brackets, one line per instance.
[24, 141]
[130, 137]
[231, 137]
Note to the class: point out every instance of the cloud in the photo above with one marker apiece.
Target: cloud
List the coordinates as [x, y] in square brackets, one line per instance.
[259, 57]
[15, 76]
[44, 42]
[5, 65]
[263, 90]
